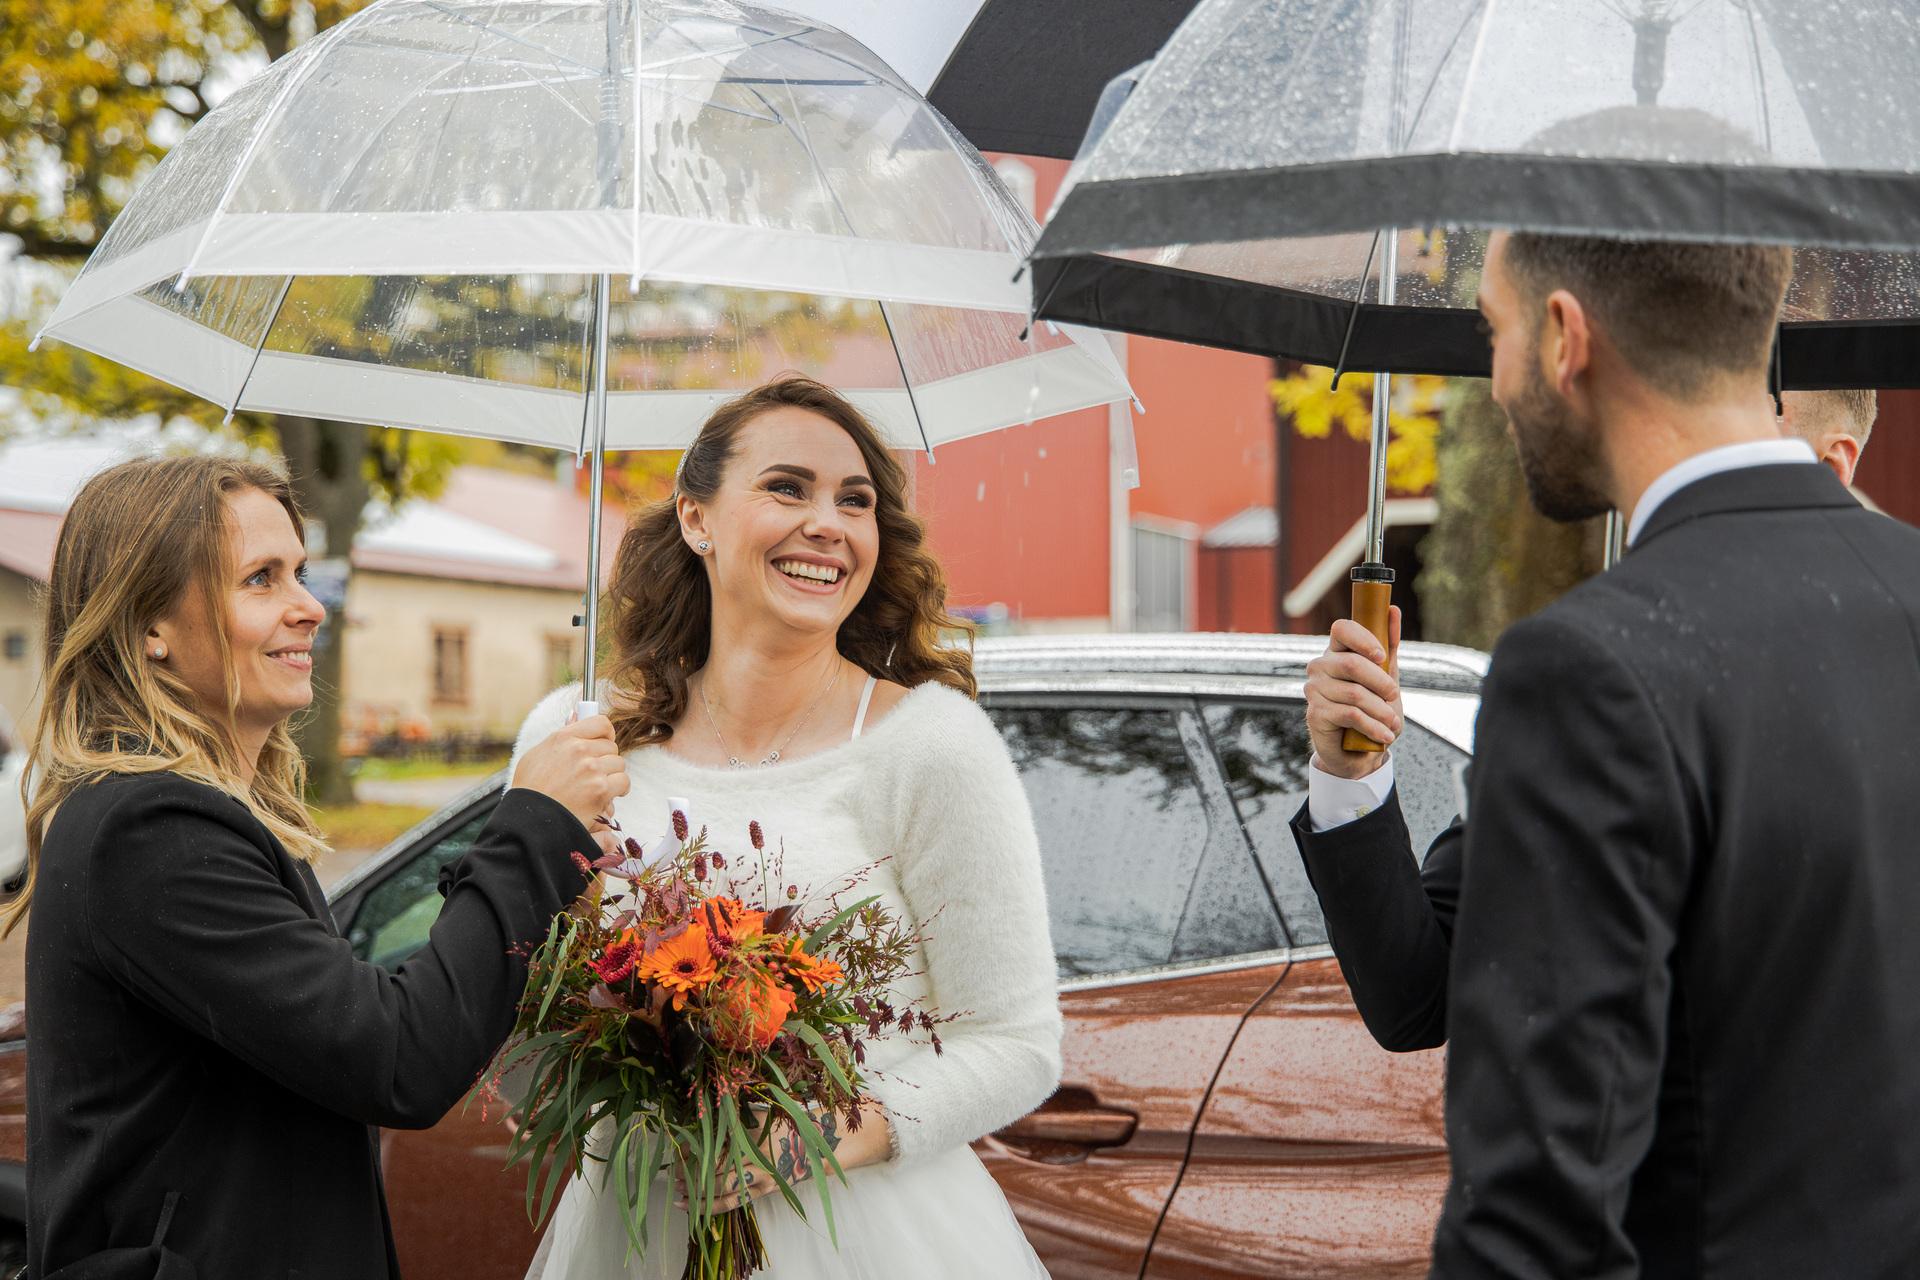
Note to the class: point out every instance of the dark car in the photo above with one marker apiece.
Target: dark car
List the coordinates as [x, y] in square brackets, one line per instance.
[1223, 1112]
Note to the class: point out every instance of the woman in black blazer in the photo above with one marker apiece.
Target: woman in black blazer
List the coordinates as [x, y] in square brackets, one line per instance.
[207, 1061]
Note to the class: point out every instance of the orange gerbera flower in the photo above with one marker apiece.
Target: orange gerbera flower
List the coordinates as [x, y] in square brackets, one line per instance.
[682, 964]
[729, 918]
[815, 972]
[749, 1011]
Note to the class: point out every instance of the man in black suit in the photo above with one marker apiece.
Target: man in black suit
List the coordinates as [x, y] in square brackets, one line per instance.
[1390, 921]
[1681, 993]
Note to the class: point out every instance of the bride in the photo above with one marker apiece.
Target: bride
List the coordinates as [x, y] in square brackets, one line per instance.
[777, 659]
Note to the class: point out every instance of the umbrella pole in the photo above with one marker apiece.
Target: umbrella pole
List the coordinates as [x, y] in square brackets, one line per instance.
[1372, 579]
[589, 704]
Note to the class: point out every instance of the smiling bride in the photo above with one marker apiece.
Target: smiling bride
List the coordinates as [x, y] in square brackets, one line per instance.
[777, 658]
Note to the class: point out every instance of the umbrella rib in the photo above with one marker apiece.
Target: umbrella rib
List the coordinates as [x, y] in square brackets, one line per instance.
[1353, 314]
[1760, 82]
[913, 401]
[286, 287]
[295, 78]
[1473, 71]
[1433, 81]
[552, 56]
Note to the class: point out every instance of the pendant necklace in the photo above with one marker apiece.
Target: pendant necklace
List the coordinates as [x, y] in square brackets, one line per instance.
[772, 757]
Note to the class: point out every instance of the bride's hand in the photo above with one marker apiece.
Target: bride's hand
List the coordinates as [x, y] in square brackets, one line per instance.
[784, 1150]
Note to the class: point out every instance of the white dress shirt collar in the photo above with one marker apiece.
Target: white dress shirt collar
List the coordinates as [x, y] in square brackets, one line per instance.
[1732, 457]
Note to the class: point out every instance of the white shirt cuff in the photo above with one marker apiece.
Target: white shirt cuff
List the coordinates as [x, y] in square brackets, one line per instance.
[1334, 802]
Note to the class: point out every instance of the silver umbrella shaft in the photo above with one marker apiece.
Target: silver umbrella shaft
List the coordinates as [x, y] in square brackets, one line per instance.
[601, 304]
[1382, 407]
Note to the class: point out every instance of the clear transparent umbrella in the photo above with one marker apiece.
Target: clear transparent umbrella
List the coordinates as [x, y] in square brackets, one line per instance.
[1306, 178]
[580, 224]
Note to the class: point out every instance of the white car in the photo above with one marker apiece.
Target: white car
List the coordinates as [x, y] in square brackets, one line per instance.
[13, 814]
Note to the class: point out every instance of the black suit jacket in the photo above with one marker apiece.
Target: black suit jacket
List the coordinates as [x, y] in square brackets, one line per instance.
[1683, 971]
[1390, 923]
[203, 1045]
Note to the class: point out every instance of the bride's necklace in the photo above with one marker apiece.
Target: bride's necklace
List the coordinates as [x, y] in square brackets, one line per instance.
[772, 757]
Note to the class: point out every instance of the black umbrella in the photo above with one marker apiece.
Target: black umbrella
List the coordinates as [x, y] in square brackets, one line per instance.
[1010, 75]
[1247, 193]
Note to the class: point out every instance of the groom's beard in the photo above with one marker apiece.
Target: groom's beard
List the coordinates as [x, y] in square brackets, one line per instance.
[1560, 458]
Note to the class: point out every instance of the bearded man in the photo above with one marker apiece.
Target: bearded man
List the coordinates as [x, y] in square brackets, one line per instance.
[1681, 995]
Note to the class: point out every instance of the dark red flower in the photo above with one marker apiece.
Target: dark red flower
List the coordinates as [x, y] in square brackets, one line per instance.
[719, 860]
[633, 848]
[617, 961]
[679, 825]
[699, 866]
[580, 861]
[754, 834]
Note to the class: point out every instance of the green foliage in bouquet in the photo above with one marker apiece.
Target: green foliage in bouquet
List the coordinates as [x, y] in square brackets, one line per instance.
[701, 1036]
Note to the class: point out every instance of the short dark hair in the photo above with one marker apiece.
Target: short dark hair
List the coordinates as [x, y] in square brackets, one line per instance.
[1680, 313]
[1852, 409]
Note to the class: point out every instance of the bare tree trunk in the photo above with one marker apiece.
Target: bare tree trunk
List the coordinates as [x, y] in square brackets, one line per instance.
[328, 464]
[1491, 558]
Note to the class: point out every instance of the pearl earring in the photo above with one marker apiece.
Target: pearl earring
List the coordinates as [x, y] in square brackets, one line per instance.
[159, 653]
[704, 546]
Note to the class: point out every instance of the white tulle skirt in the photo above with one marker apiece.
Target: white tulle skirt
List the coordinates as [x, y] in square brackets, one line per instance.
[943, 1218]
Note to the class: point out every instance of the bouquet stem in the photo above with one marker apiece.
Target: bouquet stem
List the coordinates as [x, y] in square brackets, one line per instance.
[732, 1249]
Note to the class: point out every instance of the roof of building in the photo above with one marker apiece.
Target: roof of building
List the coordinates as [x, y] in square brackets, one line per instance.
[488, 526]
[1254, 527]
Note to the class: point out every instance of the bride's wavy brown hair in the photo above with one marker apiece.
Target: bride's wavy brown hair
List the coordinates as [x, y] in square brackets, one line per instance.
[140, 539]
[662, 607]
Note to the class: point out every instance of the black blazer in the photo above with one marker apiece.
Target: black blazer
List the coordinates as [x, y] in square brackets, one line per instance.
[1390, 922]
[206, 1059]
[1681, 1000]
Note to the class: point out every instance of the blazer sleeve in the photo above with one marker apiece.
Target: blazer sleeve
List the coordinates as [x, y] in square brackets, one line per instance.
[1576, 869]
[188, 910]
[970, 870]
[1390, 922]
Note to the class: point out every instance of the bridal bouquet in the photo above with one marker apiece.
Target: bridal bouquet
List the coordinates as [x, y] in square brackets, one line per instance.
[711, 1025]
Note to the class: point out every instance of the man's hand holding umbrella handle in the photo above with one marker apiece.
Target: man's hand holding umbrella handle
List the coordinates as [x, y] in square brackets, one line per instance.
[1355, 685]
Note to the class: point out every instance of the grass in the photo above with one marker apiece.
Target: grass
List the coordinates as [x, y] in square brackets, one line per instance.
[367, 826]
[382, 770]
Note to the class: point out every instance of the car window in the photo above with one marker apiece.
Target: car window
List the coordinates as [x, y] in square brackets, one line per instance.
[1263, 750]
[1123, 829]
[396, 913]
[1229, 911]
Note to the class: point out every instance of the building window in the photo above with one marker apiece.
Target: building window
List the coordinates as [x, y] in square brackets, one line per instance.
[450, 664]
[1161, 560]
[562, 666]
[15, 646]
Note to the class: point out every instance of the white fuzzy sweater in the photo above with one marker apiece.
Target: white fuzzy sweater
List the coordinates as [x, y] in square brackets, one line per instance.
[929, 787]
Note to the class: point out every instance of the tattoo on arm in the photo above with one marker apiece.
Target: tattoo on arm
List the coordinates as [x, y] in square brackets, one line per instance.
[792, 1163]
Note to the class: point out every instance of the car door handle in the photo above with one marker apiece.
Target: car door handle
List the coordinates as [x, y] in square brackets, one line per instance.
[1080, 1127]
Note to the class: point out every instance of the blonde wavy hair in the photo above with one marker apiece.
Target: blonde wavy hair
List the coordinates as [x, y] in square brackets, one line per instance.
[663, 608]
[139, 540]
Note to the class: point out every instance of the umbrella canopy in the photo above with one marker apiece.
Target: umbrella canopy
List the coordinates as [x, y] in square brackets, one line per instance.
[1012, 75]
[418, 217]
[1237, 197]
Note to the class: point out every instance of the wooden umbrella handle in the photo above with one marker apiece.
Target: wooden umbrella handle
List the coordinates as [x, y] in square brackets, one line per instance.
[1372, 600]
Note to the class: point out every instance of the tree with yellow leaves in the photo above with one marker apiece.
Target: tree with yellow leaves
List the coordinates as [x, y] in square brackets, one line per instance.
[92, 94]
[1308, 397]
